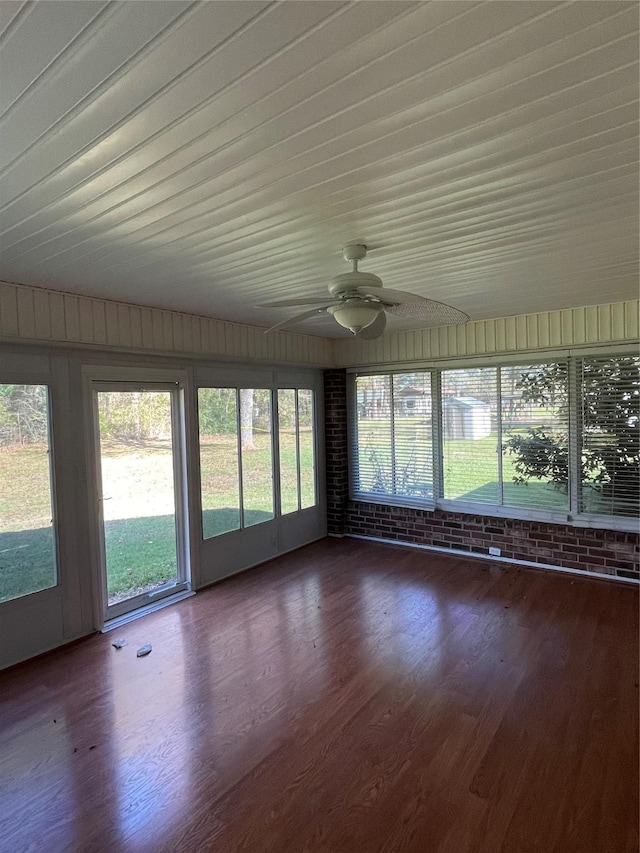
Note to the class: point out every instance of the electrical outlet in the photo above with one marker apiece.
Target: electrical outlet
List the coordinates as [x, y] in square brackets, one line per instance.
[494, 552]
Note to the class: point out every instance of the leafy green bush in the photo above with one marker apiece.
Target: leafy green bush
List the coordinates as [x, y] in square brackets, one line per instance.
[540, 455]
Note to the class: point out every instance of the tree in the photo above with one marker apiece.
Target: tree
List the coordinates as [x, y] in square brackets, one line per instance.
[217, 411]
[23, 414]
[246, 418]
[134, 416]
[609, 403]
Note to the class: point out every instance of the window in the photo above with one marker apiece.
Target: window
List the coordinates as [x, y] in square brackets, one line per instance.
[236, 465]
[609, 423]
[505, 435]
[256, 452]
[534, 427]
[470, 437]
[288, 442]
[237, 455]
[27, 538]
[297, 449]
[557, 440]
[219, 460]
[394, 436]
[307, 448]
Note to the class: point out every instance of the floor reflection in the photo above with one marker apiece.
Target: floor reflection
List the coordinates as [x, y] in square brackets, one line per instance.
[36, 752]
[147, 724]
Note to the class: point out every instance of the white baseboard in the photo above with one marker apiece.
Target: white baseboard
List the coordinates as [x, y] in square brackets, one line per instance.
[512, 561]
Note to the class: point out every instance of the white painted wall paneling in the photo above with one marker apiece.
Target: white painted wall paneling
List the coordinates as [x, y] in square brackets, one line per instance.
[593, 324]
[35, 314]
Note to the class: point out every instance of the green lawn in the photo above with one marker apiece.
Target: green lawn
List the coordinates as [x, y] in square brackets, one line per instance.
[141, 553]
[141, 547]
[219, 478]
[27, 562]
[27, 551]
[470, 469]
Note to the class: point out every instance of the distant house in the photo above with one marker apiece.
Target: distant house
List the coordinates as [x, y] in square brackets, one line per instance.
[412, 401]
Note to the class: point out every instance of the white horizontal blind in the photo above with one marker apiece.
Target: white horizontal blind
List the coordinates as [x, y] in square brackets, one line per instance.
[412, 436]
[535, 435]
[393, 450]
[470, 438]
[372, 459]
[608, 423]
[521, 438]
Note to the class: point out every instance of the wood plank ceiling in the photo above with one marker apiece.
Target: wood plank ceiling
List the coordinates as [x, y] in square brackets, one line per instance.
[208, 156]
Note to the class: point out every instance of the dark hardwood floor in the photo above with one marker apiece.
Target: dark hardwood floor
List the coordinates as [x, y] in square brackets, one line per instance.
[347, 698]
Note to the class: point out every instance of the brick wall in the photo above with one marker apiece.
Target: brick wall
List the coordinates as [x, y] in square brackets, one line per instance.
[335, 414]
[592, 550]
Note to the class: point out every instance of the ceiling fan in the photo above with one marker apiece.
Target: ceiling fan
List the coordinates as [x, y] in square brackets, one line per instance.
[360, 303]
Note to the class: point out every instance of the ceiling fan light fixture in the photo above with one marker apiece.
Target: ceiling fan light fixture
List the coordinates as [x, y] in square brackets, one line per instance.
[354, 315]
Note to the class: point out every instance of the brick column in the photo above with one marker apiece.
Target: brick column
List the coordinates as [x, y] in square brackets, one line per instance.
[335, 409]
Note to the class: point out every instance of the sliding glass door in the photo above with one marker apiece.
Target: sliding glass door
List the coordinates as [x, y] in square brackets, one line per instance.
[140, 488]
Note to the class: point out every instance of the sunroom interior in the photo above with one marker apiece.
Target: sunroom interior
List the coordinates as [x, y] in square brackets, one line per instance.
[152, 196]
[285, 577]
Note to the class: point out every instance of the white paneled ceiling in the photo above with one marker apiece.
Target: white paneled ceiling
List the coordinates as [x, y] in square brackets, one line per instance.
[208, 156]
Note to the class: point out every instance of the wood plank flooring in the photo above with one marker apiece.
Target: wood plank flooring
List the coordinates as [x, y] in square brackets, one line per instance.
[347, 698]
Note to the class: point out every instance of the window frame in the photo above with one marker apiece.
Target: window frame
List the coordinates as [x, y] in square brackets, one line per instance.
[571, 516]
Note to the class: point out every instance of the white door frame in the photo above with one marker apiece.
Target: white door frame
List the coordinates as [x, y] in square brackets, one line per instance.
[102, 378]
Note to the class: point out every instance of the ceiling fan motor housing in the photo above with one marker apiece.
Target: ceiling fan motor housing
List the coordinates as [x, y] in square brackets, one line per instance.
[348, 283]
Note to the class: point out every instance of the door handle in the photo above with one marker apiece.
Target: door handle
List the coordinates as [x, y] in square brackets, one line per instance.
[104, 499]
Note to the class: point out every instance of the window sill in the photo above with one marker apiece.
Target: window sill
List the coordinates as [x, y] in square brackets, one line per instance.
[393, 500]
[622, 524]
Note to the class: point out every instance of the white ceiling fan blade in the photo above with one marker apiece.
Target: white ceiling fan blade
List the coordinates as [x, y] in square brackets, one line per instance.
[390, 296]
[291, 303]
[430, 313]
[298, 318]
[375, 329]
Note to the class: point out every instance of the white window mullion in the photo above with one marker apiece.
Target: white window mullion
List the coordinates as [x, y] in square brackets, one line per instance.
[297, 428]
[499, 437]
[393, 436]
[574, 455]
[276, 491]
[239, 450]
[436, 427]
